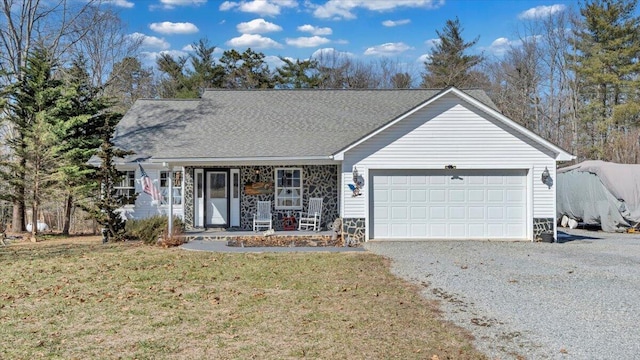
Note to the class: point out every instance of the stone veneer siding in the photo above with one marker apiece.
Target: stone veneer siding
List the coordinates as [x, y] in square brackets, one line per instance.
[541, 225]
[317, 181]
[353, 229]
[188, 198]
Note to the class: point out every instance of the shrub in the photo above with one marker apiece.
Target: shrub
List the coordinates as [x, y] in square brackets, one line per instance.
[151, 229]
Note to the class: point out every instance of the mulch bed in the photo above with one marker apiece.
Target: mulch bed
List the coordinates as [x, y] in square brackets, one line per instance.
[283, 241]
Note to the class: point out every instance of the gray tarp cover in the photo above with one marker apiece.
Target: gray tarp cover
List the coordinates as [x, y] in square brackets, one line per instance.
[599, 192]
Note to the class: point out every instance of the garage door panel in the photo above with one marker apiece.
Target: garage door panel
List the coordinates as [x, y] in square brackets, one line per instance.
[437, 195]
[418, 195]
[495, 195]
[449, 204]
[477, 213]
[457, 195]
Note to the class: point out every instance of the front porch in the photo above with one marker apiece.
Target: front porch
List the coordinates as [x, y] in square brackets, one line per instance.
[226, 197]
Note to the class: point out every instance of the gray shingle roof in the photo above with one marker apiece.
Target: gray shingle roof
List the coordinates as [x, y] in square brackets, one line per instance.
[263, 123]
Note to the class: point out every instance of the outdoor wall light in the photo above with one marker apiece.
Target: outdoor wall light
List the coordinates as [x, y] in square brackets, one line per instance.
[257, 175]
[546, 178]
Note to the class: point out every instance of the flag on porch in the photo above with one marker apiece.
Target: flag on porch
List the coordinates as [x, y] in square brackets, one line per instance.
[147, 185]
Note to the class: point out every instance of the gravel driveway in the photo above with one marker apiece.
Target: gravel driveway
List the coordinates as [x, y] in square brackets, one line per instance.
[577, 299]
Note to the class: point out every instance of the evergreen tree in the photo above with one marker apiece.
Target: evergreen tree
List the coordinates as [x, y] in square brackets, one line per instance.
[448, 64]
[80, 138]
[107, 201]
[607, 68]
[206, 73]
[297, 75]
[246, 70]
[33, 105]
[176, 82]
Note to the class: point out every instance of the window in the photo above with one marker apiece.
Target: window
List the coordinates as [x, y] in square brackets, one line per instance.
[127, 187]
[177, 187]
[288, 188]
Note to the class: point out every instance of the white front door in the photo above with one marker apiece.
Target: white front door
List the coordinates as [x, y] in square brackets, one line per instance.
[217, 210]
[198, 199]
[235, 198]
[449, 204]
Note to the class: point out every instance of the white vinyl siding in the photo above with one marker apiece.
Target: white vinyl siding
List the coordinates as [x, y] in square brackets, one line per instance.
[450, 132]
[144, 207]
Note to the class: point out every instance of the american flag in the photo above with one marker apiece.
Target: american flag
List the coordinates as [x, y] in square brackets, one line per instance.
[147, 185]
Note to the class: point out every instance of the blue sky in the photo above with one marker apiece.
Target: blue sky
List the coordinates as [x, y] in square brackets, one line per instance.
[402, 30]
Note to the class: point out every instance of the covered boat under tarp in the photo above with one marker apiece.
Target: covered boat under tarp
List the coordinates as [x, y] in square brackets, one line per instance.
[601, 193]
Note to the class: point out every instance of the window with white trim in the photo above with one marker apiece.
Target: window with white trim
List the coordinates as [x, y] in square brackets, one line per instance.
[127, 187]
[177, 187]
[288, 189]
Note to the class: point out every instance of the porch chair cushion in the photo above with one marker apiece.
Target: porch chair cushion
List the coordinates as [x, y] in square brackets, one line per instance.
[311, 218]
[262, 216]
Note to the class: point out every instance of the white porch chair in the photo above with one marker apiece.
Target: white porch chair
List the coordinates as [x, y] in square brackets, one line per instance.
[262, 216]
[311, 218]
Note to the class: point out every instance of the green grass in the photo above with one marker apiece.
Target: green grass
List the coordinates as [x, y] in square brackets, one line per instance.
[80, 299]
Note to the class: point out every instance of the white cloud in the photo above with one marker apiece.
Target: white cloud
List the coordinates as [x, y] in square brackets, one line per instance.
[257, 26]
[188, 48]
[151, 42]
[501, 45]
[120, 3]
[392, 23]
[387, 49]
[343, 9]
[431, 43]
[253, 41]
[314, 30]
[424, 58]
[329, 53]
[307, 41]
[171, 4]
[260, 7]
[541, 11]
[227, 5]
[167, 27]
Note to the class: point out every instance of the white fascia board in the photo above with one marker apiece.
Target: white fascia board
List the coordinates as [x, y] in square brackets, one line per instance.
[561, 155]
[245, 160]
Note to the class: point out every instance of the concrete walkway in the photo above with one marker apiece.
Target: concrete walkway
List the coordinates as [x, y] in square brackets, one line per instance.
[221, 246]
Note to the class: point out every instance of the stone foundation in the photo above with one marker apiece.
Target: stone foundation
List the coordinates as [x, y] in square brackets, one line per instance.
[353, 229]
[541, 225]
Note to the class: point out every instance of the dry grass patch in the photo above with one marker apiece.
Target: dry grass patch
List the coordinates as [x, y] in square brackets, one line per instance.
[81, 299]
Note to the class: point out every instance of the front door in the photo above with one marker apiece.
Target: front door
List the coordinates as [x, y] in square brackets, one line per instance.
[217, 214]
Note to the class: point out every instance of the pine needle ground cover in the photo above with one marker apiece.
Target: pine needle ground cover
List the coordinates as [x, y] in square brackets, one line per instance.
[81, 299]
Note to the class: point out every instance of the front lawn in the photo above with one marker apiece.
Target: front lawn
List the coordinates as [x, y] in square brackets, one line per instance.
[81, 299]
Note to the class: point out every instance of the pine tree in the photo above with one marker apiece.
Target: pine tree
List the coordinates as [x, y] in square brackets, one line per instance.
[607, 67]
[36, 146]
[448, 64]
[297, 75]
[79, 137]
[107, 202]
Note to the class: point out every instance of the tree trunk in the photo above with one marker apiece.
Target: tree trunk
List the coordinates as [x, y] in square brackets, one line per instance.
[67, 215]
[17, 221]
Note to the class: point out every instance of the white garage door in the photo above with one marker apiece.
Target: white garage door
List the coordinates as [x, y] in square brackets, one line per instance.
[449, 204]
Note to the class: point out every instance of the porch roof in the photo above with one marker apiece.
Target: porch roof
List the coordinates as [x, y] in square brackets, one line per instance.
[263, 124]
